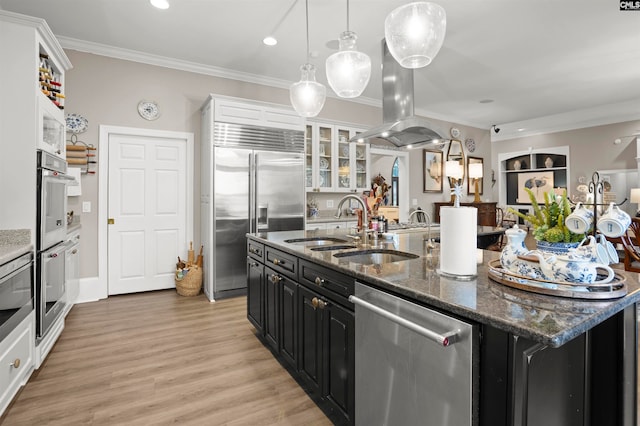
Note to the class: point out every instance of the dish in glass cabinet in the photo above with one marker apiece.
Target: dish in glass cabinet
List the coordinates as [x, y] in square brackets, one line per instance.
[76, 123]
[360, 153]
[321, 181]
[324, 164]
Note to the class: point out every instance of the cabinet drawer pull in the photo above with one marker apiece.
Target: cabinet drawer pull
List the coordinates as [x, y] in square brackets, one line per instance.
[15, 363]
[278, 262]
[319, 282]
[314, 303]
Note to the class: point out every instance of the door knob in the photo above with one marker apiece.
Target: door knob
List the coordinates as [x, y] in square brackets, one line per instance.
[111, 221]
[15, 363]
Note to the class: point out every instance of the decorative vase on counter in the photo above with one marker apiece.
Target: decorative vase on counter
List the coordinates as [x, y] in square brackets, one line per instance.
[555, 248]
[548, 162]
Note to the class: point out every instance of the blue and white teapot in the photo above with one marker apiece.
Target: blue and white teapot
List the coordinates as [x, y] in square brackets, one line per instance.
[509, 258]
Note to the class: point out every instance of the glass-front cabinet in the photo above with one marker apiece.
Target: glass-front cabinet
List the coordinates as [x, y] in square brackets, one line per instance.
[333, 164]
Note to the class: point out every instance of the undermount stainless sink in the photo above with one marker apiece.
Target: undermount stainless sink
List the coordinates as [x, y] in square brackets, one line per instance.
[315, 241]
[333, 247]
[376, 256]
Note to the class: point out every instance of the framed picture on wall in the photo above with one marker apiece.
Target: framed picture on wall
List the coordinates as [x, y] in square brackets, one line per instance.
[432, 170]
[471, 181]
[537, 182]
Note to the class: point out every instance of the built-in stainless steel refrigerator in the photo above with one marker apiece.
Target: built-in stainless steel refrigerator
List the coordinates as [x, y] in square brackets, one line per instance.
[256, 185]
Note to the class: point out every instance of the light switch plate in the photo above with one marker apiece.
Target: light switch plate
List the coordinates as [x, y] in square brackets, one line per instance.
[329, 204]
[86, 207]
[414, 201]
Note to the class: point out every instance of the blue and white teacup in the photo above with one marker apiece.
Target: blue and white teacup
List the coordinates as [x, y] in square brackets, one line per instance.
[614, 222]
[579, 222]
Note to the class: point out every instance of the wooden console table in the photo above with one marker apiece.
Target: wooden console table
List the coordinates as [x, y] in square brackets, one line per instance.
[486, 212]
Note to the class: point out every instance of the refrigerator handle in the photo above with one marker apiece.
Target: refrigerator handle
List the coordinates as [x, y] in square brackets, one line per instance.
[252, 195]
[262, 217]
[260, 211]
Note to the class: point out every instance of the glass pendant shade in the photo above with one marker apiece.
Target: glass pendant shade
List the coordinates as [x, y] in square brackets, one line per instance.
[348, 71]
[307, 96]
[415, 32]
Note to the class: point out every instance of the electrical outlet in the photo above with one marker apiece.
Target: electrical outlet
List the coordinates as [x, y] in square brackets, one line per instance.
[86, 207]
[329, 204]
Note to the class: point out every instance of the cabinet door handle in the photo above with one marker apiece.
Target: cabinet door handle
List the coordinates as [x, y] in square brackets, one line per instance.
[278, 262]
[318, 303]
[275, 278]
[319, 282]
[15, 363]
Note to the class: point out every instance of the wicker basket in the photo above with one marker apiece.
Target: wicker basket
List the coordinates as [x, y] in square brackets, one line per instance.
[191, 284]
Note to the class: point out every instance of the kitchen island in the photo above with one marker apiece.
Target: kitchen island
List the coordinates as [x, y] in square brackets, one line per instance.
[539, 359]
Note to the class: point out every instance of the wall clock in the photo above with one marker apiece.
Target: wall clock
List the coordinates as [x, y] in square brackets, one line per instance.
[148, 110]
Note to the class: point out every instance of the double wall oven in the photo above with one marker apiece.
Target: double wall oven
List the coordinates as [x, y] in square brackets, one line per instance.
[51, 232]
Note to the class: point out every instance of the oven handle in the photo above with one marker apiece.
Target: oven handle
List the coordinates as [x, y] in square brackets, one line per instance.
[446, 339]
[56, 175]
[56, 251]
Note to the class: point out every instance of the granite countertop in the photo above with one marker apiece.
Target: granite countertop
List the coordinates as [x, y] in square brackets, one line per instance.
[14, 243]
[550, 320]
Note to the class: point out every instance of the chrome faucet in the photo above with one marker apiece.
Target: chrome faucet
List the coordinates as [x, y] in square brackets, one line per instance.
[428, 219]
[364, 214]
[417, 211]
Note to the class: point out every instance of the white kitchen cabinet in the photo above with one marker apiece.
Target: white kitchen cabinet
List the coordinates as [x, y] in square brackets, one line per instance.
[16, 359]
[333, 164]
[29, 119]
[72, 269]
[255, 114]
[315, 226]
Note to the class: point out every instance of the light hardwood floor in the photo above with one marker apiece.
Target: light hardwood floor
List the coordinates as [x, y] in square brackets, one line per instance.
[158, 358]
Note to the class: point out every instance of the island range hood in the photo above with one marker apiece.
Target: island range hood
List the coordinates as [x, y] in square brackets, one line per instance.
[400, 126]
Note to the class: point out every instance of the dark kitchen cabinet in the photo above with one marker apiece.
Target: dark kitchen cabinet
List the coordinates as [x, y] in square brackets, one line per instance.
[288, 325]
[339, 358]
[255, 297]
[302, 313]
[310, 332]
[327, 351]
[271, 306]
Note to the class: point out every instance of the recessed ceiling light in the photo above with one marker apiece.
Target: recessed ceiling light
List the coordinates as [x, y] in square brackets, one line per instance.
[521, 130]
[270, 41]
[486, 101]
[160, 4]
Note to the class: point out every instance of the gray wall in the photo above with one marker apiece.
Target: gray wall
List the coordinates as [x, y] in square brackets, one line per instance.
[106, 91]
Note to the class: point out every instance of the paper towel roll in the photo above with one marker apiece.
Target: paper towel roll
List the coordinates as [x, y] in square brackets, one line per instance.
[458, 239]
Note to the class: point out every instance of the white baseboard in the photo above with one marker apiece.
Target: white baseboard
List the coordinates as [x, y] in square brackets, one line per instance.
[91, 290]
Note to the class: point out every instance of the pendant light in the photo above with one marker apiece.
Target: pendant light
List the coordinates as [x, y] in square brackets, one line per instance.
[348, 71]
[415, 32]
[307, 96]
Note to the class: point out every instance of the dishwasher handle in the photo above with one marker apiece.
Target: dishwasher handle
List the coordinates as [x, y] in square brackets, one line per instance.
[445, 339]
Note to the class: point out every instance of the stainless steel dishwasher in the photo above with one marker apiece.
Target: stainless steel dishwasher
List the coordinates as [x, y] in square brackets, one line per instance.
[414, 366]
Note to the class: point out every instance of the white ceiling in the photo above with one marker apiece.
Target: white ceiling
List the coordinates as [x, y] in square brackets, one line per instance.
[546, 64]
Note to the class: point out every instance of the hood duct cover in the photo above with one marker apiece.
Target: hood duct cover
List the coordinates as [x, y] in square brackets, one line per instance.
[400, 126]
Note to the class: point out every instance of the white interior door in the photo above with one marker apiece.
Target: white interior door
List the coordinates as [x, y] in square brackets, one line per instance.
[147, 202]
